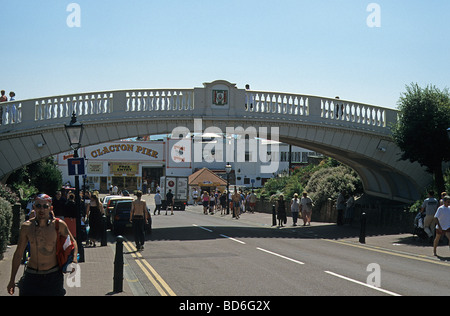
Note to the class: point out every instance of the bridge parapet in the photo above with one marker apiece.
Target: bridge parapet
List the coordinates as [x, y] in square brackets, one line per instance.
[216, 99]
[321, 110]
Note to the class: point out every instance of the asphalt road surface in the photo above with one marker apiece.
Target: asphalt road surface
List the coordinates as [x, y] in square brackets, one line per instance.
[191, 254]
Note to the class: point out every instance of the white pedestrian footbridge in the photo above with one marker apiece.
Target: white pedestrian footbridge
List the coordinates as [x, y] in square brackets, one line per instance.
[356, 134]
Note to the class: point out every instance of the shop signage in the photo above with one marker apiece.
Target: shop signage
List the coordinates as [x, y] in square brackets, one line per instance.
[101, 151]
[124, 168]
[95, 168]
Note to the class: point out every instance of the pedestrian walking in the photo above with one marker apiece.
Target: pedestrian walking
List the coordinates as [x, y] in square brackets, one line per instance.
[42, 276]
[169, 200]
[340, 206]
[139, 218]
[195, 196]
[236, 197]
[59, 203]
[252, 201]
[158, 203]
[281, 211]
[212, 204]
[349, 210]
[306, 207]
[223, 203]
[94, 212]
[429, 207]
[295, 209]
[443, 223]
[70, 214]
[205, 202]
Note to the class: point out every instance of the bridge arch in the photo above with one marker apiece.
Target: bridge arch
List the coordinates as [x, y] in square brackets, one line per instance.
[355, 134]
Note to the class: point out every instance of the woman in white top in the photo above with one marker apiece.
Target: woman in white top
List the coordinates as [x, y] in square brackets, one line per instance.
[295, 208]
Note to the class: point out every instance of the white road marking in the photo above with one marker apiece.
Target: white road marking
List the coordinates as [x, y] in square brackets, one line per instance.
[363, 284]
[233, 239]
[278, 255]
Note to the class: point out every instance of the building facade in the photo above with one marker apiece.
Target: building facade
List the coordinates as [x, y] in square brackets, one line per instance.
[132, 165]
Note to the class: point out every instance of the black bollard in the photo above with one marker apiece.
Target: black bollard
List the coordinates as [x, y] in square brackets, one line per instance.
[104, 241]
[274, 216]
[362, 233]
[118, 265]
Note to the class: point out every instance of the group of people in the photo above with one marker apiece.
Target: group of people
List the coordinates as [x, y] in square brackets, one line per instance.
[158, 202]
[12, 110]
[64, 207]
[299, 207]
[239, 202]
[436, 222]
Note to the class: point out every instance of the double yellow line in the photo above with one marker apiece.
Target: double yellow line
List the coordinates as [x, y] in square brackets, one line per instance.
[161, 286]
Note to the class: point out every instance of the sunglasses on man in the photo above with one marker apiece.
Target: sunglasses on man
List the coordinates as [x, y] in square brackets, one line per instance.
[44, 206]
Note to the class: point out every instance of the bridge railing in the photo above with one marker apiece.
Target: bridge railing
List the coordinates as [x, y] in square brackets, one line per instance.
[160, 100]
[317, 109]
[83, 105]
[10, 113]
[57, 110]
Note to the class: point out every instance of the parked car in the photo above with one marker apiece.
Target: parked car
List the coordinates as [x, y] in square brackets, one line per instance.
[120, 217]
[109, 203]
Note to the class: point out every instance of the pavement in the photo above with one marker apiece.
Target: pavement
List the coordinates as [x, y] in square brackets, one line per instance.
[96, 273]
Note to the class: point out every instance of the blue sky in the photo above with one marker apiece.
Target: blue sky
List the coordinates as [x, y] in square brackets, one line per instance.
[321, 47]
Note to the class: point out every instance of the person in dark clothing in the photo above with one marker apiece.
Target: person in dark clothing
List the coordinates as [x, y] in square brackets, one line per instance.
[59, 203]
[70, 214]
[169, 201]
[281, 211]
[95, 212]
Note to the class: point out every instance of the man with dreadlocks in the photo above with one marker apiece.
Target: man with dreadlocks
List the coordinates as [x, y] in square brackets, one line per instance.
[43, 276]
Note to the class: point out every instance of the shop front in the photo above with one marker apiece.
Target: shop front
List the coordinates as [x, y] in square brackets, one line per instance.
[128, 165]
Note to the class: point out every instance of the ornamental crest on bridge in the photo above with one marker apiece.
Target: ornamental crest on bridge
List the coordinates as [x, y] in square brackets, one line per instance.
[220, 97]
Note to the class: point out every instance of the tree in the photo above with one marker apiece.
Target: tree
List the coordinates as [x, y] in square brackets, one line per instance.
[421, 130]
[42, 176]
[329, 181]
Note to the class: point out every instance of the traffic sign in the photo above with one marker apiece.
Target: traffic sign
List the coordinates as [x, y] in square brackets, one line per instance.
[76, 167]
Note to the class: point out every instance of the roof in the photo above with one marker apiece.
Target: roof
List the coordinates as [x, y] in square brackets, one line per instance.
[206, 178]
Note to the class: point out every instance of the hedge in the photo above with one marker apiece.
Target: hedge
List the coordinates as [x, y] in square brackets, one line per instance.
[6, 216]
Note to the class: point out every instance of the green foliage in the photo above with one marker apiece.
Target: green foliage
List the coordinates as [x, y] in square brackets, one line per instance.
[42, 176]
[321, 182]
[328, 182]
[5, 224]
[7, 194]
[421, 131]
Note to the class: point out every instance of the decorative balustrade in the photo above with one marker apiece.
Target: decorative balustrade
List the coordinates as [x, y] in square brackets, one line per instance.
[10, 113]
[82, 105]
[337, 110]
[153, 102]
[277, 103]
[160, 100]
[332, 111]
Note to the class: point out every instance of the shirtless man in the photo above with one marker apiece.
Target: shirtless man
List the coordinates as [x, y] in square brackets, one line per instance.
[139, 217]
[42, 276]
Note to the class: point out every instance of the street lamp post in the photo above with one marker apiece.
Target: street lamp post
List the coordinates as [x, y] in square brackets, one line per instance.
[74, 133]
[228, 170]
